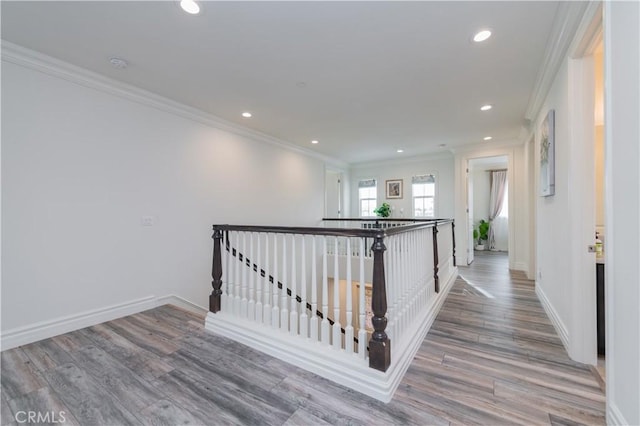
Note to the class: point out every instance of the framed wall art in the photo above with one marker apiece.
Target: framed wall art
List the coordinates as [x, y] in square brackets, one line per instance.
[394, 188]
[547, 156]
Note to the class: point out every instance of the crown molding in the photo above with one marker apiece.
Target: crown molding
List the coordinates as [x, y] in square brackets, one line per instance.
[400, 161]
[37, 61]
[567, 20]
[487, 146]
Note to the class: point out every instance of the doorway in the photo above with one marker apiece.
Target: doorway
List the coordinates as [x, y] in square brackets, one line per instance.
[599, 190]
[488, 204]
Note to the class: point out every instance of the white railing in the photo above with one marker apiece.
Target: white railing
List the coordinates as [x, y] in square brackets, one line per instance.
[288, 282]
[333, 300]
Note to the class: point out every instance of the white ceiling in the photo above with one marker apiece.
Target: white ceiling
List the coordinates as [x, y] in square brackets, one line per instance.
[377, 76]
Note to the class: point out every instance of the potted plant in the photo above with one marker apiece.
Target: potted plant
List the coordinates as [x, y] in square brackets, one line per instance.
[481, 234]
[383, 211]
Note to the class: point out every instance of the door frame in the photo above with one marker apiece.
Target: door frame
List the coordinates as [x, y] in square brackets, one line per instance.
[581, 95]
[461, 164]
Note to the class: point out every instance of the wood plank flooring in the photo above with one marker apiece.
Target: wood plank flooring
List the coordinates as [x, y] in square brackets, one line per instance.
[492, 357]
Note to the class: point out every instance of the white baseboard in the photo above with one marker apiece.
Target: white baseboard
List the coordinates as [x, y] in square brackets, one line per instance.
[43, 330]
[614, 416]
[561, 329]
[46, 329]
[349, 371]
[180, 302]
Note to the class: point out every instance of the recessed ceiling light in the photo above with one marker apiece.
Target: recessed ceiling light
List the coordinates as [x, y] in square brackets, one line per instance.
[400, 151]
[118, 63]
[482, 36]
[246, 114]
[487, 138]
[485, 107]
[314, 141]
[190, 6]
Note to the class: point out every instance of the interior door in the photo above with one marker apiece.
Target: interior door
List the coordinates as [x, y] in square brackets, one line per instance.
[333, 194]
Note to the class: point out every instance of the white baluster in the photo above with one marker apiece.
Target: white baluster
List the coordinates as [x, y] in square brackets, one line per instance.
[392, 285]
[304, 318]
[251, 306]
[224, 298]
[409, 281]
[326, 338]
[412, 269]
[313, 323]
[293, 315]
[237, 299]
[233, 275]
[348, 330]
[267, 293]
[337, 327]
[258, 262]
[362, 309]
[403, 279]
[275, 311]
[416, 276]
[245, 279]
[284, 311]
[425, 267]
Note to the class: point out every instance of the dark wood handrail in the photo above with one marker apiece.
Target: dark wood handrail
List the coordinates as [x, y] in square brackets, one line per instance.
[384, 219]
[336, 232]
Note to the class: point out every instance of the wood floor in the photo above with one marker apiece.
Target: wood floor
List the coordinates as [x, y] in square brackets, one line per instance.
[492, 357]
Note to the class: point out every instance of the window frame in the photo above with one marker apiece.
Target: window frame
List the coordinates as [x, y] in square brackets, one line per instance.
[434, 197]
[368, 199]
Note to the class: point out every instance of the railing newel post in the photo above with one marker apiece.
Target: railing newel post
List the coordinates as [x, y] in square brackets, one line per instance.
[216, 271]
[436, 279]
[453, 238]
[379, 344]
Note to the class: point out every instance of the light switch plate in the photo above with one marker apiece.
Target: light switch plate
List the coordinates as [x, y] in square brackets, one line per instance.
[147, 220]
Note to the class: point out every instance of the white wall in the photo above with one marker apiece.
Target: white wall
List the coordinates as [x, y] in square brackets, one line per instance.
[441, 165]
[553, 275]
[622, 100]
[80, 167]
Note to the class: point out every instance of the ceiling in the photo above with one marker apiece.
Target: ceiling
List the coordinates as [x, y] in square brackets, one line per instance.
[363, 78]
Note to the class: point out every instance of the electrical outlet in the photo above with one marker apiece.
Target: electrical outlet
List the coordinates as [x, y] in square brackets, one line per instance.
[147, 220]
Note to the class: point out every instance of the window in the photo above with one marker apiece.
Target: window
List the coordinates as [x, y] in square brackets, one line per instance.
[368, 196]
[423, 189]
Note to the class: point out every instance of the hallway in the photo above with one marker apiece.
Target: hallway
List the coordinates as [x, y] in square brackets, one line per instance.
[491, 357]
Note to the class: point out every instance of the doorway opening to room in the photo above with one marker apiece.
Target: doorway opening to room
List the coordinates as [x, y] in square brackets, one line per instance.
[586, 128]
[599, 190]
[488, 206]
